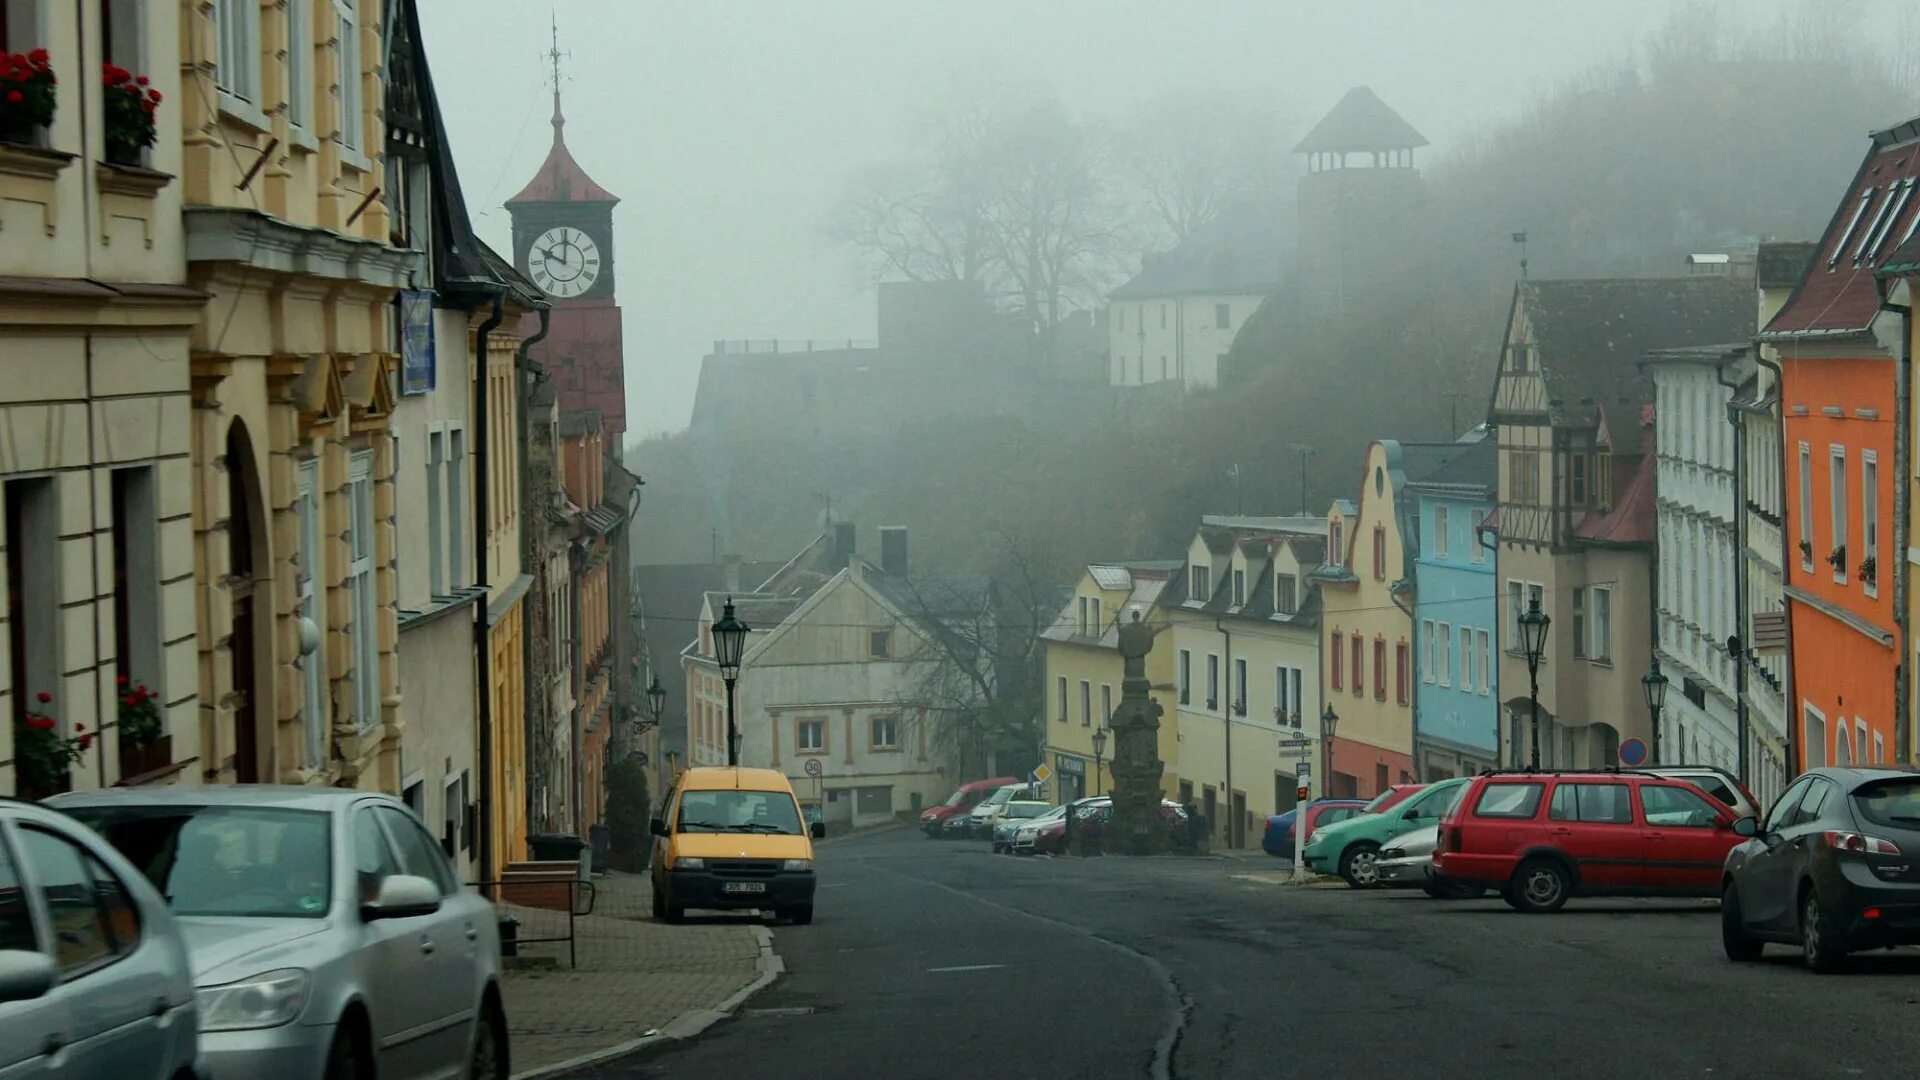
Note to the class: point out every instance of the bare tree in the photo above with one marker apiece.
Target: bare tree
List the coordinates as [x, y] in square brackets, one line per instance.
[1190, 155]
[915, 221]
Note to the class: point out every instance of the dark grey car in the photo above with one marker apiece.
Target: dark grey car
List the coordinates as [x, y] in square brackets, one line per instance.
[1834, 868]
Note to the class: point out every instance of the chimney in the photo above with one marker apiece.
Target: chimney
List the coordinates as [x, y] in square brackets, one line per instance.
[730, 572]
[893, 549]
[843, 543]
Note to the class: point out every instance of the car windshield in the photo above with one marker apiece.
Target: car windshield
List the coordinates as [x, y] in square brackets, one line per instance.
[1381, 801]
[1026, 809]
[739, 811]
[1894, 802]
[244, 861]
[958, 798]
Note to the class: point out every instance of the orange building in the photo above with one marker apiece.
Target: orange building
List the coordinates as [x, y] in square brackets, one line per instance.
[1838, 392]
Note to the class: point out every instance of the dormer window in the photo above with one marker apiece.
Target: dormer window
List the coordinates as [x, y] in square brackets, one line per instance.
[1335, 531]
[1202, 583]
[1520, 357]
[1285, 594]
[1239, 587]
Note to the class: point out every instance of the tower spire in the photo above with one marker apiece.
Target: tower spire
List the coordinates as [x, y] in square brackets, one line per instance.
[553, 56]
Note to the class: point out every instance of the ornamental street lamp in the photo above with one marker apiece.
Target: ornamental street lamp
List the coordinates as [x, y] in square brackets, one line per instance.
[1329, 721]
[1099, 752]
[1655, 685]
[729, 642]
[1533, 638]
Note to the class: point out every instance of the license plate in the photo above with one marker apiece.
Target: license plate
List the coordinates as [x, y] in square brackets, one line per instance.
[743, 887]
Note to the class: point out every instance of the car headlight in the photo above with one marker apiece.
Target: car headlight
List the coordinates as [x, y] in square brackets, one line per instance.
[1393, 853]
[688, 862]
[263, 1001]
[797, 864]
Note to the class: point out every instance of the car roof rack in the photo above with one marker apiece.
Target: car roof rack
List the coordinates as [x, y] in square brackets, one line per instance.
[1598, 770]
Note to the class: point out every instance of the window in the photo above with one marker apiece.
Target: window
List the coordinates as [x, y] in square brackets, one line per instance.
[1837, 497]
[237, 22]
[1879, 749]
[1202, 583]
[1239, 587]
[1440, 525]
[1379, 669]
[1537, 597]
[373, 860]
[1186, 678]
[1579, 622]
[1516, 606]
[1336, 546]
[1379, 553]
[1426, 651]
[880, 644]
[1442, 661]
[810, 735]
[365, 629]
[1359, 668]
[1508, 801]
[300, 63]
[418, 855]
[1601, 639]
[1842, 744]
[1870, 521]
[436, 547]
[1286, 589]
[1520, 356]
[1866, 200]
[1060, 696]
[1338, 655]
[16, 918]
[1286, 696]
[1086, 703]
[1598, 804]
[1673, 807]
[1806, 507]
[1223, 316]
[456, 466]
[1213, 681]
[1484, 642]
[313, 666]
[1106, 703]
[136, 578]
[1523, 476]
[453, 805]
[33, 600]
[93, 917]
[883, 733]
[1238, 691]
[347, 74]
[1403, 673]
[1784, 808]
[1475, 518]
[1577, 478]
[1094, 622]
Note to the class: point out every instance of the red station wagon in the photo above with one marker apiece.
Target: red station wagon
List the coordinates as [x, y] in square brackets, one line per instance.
[1542, 837]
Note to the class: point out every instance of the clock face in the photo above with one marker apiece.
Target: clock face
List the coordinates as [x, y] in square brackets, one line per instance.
[564, 262]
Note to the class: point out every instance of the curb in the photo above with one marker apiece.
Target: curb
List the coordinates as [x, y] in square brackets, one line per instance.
[687, 1025]
[876, 830]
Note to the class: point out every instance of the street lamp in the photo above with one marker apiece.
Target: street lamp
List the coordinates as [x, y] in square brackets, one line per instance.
[1099, 752]
[1533, 638]
[657, 700]
[729, 642]
[1329, 721]
[1655, 685]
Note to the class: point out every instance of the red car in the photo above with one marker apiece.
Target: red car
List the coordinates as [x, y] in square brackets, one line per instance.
[1542, 837]
[962, 801]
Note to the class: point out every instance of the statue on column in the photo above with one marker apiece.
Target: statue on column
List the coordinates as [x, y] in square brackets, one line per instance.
[1136, 827]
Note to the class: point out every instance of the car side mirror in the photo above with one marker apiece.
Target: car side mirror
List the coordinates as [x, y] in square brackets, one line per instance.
[817, 830]
[657, 826]
[1746, 826]
[402, 896]
[25, 975]
[1411, 815]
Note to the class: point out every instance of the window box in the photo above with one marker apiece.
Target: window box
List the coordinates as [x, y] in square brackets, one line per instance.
[136, 762]
[133, 180]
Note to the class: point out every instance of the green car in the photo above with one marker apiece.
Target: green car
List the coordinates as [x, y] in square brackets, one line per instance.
[1350, 848]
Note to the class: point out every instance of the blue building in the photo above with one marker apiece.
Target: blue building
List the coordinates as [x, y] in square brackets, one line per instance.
[1456, 700]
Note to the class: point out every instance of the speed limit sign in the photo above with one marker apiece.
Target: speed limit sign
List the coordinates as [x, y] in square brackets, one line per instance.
[813, 767]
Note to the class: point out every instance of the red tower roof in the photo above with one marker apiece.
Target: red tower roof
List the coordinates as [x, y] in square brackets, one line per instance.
[561, 179]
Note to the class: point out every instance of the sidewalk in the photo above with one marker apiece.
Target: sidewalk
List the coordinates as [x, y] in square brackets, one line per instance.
[638, 980]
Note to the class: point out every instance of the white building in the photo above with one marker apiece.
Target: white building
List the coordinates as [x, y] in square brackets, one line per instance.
[1174, 321]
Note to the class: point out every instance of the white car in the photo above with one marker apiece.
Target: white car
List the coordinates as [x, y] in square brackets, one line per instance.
[986, 815]
[1029, 831]
[1407, 862]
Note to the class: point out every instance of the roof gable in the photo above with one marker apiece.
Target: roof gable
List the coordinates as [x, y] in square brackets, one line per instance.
[1238, 253]
[1360, 122]
[560, 178]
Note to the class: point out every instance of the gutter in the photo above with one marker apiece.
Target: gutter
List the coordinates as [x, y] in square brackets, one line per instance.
[482, 628]
[1233, 819]
[1902, 508]
[1737, 417]
[1792, 717]
[525, 374]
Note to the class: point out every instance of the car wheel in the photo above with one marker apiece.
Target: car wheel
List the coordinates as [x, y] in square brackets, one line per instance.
[1819, 942]
[1733, 929]
[344, 1056]
[801, 916]
[1360, 865]
[489, 1045]
[1539, 886]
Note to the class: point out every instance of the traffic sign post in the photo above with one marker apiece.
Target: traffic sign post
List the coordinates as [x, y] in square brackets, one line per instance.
[813, 768]
[819, 787]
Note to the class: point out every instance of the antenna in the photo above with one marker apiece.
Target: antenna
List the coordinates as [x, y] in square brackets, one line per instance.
[1521, 239]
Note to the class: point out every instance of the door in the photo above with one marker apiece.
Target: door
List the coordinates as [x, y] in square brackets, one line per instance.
[1594, 823]
[27, 1028]
[1686, 839]
[452, 965]
[393, 955]
[1769, 890]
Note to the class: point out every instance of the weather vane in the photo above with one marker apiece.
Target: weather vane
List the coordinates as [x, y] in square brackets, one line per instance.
[554, 52]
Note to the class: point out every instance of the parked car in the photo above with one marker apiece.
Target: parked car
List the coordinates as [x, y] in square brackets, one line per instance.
[1832, 869]
[1351, 848]
[1027, 832]
[957, 827]
[327, 931]
[1406, 862]
[731, 839]
[94, 974]
[1015, 813]
[960, 803]
[986, 813]
[1278, 839]
[1094, 818]
[1051, 837]
[1715, 781]
[1541, 838]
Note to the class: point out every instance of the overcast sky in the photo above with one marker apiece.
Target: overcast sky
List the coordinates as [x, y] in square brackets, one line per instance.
[727, 128]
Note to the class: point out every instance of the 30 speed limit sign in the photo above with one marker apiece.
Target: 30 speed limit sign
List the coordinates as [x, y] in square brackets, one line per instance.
[813, 767]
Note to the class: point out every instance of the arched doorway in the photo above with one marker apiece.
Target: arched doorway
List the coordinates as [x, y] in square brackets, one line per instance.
[246, 533]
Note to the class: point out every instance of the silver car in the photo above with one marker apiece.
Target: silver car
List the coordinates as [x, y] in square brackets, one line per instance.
[94, 977]
[1407, 863]
[328, 934]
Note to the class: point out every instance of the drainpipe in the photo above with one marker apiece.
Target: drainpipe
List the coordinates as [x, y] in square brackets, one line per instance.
[525, 374]
[1413, 675]
[1902, 466]
[1793, 715]
[1737, 417]
[482, 644]
[1233, 819]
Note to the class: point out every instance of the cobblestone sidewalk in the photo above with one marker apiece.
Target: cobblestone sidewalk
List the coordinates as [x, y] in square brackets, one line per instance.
[635, 975]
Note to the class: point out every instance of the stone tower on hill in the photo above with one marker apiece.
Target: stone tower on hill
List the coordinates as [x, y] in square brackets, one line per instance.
[1359, 198]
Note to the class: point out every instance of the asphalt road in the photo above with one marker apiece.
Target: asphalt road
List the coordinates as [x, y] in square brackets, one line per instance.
[939, 960]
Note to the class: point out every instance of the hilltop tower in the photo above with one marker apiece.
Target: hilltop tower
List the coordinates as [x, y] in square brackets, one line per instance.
[1359, 198]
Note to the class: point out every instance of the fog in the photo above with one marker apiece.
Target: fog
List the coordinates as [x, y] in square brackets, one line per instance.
[729, 130]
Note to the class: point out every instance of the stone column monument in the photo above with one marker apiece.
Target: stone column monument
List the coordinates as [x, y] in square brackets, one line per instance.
[1136, 827]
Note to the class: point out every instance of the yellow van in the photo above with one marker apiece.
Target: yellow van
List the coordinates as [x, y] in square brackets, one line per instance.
[733, 838]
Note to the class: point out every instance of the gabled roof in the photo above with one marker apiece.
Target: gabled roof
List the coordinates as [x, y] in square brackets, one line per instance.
[1630, 521]
[1474, 472]
[1240, 252]
[1286, 523]
[560, 178]
[1360, 122]
[1590, 336]
[1879, 213]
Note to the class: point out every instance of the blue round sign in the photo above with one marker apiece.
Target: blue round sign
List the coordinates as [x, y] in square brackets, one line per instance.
[1633, 752]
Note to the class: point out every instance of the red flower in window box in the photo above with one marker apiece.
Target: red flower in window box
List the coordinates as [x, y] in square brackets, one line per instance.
[28, 101]
[129, 109]
[41, 757]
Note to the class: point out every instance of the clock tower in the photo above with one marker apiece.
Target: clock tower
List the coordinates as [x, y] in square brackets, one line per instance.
[563, 242]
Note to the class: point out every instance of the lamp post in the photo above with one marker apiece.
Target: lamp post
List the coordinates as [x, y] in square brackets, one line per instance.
[1099, 754]
[1329, 721]
[729, 642]
[1533, 637]
[1655, 685]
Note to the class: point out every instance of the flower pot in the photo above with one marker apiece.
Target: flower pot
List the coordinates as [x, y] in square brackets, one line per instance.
[14, 129]
[32, 787]
[122, 154]
[150, 757]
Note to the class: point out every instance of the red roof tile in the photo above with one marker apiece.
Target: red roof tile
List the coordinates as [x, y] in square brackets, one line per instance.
[560, 178]
[1632, 519]
[1880, 211]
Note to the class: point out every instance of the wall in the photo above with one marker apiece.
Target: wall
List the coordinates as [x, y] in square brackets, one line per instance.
[439, 683]
[1364, 606]
[1456, 724]
[1181, 338]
